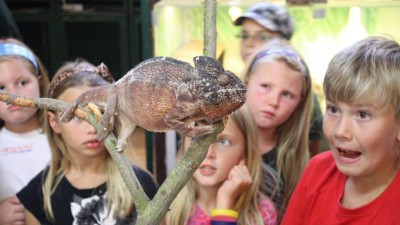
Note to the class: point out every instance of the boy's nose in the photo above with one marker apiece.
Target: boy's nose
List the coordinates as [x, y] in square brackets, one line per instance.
[343, 128]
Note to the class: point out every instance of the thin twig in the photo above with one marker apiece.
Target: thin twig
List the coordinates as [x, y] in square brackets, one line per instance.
[210, 28]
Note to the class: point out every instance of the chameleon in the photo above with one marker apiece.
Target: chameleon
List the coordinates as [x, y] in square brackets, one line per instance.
[163, 93]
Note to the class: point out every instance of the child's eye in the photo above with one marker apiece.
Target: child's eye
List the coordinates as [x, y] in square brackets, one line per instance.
[265, 86]
[243, 36]
[287, 94]
[22, 82]
[2, 87]
[77, 120]
[223, 141]
[363, 115]
[331, 109]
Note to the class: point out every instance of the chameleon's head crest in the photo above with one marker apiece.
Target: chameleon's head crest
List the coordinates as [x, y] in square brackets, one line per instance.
[101, 69]
[221, 91]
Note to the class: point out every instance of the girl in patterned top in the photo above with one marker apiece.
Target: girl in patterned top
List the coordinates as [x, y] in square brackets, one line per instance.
[82, 185]
[225, 189]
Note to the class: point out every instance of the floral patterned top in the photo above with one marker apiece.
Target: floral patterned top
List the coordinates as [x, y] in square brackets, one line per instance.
[266, 207]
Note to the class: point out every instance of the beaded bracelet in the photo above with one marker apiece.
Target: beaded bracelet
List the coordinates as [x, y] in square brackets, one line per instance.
[224, 212]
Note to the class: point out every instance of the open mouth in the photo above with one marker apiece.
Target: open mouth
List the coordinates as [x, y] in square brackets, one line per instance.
[206, 170]
[348, 153]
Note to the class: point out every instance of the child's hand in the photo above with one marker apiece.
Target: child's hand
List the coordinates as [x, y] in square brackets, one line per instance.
[239, 180]
[11, 211]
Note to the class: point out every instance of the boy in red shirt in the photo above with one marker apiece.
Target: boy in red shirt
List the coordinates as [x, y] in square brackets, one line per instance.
[357, 182]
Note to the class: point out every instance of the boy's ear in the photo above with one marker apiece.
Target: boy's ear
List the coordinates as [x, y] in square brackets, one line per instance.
[398, 135]
[54, 123]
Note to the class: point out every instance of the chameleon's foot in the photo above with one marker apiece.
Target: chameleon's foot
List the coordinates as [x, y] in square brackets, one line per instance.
[68, 113]
[121, 144]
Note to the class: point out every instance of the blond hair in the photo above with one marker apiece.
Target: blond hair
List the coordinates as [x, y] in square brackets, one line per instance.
[368, 71]
[292, 135]
[41, 75]
[117, 194]
[248, 202]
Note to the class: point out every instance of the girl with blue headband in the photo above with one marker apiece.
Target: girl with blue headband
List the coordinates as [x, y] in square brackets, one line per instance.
[24, 149]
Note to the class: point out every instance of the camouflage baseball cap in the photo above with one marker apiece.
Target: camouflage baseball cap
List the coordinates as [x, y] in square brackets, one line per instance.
[271, 16]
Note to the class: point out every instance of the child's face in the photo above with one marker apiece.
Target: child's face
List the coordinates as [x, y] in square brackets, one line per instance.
[364, 139]
[78, 135]
[273, 93]
[17, 79]
[255, 36]
[222, 156]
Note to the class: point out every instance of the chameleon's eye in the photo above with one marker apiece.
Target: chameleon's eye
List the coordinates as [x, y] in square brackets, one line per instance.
[223, 80]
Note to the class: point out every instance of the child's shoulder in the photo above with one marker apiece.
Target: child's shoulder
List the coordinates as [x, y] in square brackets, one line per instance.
[147, 181]
[141, 173]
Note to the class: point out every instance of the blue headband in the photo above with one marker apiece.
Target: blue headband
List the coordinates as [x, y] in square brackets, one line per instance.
[18, 50]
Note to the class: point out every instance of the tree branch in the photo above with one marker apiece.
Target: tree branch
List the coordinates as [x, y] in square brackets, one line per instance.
[210, 28]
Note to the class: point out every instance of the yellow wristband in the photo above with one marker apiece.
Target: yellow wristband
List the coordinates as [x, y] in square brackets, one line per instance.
[224, 212]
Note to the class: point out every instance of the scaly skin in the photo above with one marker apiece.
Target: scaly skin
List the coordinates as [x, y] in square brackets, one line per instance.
[163, 93]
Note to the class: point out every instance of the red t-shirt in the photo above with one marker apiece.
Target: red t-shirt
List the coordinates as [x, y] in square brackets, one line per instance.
[316, 199]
